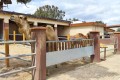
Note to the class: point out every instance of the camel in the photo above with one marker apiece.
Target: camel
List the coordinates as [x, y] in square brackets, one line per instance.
[24, 28]
[79, 36]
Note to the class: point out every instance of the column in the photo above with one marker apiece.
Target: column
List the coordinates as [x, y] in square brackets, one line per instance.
[95, 35]
[55, 26]
[117, 35]
[6, 38]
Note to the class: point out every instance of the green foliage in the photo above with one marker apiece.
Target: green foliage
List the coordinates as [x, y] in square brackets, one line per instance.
[23, 1]
[118, 30]
[73, 19]
[2, 2]
[48, 11]
[100, 22]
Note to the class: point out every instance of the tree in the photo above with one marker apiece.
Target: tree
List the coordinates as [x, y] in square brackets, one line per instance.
[118, 30]
[6, 2]
[48, 11]
[73, 19]
[100, 22]
[23, 1]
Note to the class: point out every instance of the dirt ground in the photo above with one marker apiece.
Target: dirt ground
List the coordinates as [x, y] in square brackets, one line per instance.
[72, 70]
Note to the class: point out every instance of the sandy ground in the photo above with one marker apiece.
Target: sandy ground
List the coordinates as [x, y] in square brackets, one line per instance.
[72, 70]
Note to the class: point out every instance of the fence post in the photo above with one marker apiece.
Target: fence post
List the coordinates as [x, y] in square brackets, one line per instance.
[68, 37]
[95, 35]
[117, 35]
[6, 37]
[14, 36]
[40, 62]
[23, 38]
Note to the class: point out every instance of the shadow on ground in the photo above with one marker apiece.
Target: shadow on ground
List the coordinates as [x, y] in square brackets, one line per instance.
[81, 71]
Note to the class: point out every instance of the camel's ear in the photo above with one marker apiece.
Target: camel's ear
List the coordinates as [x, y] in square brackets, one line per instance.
[25, 18]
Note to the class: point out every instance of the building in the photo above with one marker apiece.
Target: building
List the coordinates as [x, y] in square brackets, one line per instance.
[86, 27]
[5, 23]
[109, 30]
[114, 27]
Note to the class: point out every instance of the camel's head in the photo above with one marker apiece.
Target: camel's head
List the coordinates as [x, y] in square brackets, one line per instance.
[18, 19]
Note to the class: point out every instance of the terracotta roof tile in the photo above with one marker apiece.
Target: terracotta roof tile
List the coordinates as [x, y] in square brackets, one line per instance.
[88, 24]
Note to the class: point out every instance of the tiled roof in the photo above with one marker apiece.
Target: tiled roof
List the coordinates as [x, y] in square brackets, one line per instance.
[113, 26]
[88, 24]
[109, 30]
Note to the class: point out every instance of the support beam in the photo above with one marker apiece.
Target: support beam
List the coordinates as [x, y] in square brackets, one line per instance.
[6, 38]
[55, 26]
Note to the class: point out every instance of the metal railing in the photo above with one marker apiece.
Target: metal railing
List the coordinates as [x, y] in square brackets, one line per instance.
[19, 42]
[17, 71]
[17, 56]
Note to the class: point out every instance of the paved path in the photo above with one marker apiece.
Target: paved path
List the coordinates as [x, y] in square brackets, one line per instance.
[104, 70]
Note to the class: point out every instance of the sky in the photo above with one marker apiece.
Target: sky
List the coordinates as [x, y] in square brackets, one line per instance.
[107, 11]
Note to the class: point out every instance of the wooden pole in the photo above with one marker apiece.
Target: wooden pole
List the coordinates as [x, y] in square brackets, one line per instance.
[6, 37]
[14, 36]
[68, 37]
[40, 35]
[23, 38]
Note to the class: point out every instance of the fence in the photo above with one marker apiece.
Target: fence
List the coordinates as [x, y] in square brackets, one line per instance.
[15, 56]
[109, 44]
[62, 51]
[14, 35]
[58, 51]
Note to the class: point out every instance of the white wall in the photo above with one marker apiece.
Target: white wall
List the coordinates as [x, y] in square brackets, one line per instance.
[6, 18]
[84, 30]
[100, 29]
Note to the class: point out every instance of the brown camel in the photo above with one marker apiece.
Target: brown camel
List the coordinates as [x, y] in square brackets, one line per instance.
[79, 36]
[24, 27]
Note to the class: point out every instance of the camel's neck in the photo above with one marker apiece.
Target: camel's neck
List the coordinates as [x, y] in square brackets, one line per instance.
[24, 28]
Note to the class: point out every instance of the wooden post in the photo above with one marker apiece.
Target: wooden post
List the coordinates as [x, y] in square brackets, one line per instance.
[68, 37]
[117, 35]
[14, 36]
[40, 35]
[95, 35]
[6, 37]
[23, 37]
